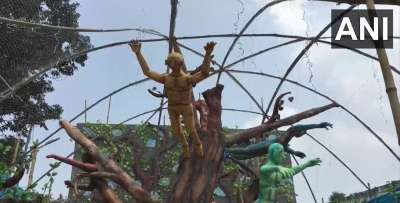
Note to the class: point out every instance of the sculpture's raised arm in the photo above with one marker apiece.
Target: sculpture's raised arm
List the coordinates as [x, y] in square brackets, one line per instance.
[205, 66]
[136, 46]
[311, 163]
[300, 130]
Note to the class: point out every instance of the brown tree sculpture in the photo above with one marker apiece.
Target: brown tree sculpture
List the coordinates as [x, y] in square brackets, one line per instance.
[197, 177]
[106, 168]
[88, 166]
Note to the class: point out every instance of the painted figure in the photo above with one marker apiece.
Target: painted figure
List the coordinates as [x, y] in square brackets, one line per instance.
[275, 178]
[261, 148]
[178, 89]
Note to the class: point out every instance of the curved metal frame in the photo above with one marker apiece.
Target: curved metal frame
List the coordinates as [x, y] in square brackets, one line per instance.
[12, 90]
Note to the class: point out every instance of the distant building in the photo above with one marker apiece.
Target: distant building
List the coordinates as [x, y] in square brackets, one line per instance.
[388, 193]
[150, 142]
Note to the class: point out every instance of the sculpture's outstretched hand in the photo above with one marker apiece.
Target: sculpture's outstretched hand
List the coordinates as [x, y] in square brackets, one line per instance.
[314, 162]
[135, 46]
[209, 48]
[326, 125]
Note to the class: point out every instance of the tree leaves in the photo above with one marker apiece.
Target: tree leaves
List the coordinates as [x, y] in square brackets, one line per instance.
[25, 51]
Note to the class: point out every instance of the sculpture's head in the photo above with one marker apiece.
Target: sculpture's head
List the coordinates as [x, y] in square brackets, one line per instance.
[174, 61]
[276, 153]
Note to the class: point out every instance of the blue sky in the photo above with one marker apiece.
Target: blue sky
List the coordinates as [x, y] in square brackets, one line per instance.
[354, 81]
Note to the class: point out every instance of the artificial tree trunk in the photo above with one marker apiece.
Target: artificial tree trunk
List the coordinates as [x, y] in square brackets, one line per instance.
[197, 176]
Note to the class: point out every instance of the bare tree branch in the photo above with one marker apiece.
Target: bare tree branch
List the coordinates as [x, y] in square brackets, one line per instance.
[98, 180]
[88, 167]
[277, 107]
[265, 127]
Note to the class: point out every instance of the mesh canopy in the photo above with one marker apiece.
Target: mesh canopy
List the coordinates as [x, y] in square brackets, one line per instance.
[41, 42]
[26, 49]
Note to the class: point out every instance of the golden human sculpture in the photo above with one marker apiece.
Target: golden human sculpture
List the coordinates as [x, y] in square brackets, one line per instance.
[178, 89]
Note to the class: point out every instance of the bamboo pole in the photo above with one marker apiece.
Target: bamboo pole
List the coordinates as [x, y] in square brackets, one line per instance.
[172, 25]
[391, 89]
[85, 111]
[108, 110]
[32, 167]
[15, 151]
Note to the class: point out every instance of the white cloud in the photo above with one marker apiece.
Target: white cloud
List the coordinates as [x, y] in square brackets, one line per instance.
[251, 123]
[289, 17]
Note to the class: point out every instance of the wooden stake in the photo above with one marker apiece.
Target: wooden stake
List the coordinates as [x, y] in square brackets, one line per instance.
[85, 111]
[15, 151]
[108, 110]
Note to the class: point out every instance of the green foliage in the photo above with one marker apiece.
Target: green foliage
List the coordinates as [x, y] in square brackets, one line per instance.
[6, 150]
[48, 186]
[107, 138]
[18, 194]
[25, 51]
[337, 197]
[242, 183]
[230, 167]
[15, 193]
[5, 154]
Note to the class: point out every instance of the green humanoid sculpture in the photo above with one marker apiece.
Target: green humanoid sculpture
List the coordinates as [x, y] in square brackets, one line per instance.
[275, 178]
[261, 148]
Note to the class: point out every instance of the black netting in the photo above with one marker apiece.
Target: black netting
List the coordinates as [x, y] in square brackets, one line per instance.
[26, 49]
